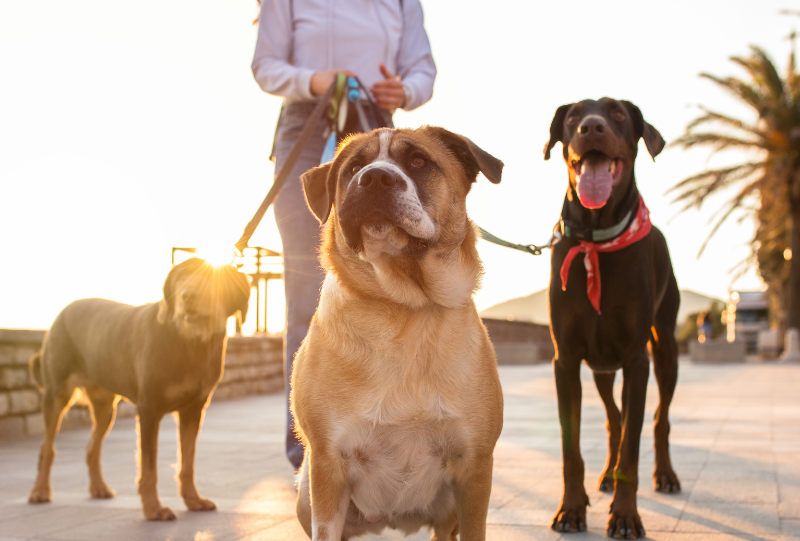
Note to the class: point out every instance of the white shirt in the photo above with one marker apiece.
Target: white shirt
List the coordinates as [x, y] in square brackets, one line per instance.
[297, 38]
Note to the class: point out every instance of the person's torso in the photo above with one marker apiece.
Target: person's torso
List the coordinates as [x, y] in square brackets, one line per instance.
[357, 35]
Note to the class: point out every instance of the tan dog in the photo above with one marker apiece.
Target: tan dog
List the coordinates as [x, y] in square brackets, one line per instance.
[162, 357]
[395, 389]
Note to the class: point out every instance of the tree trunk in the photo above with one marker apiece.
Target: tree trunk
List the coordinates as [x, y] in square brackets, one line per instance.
[793, 299]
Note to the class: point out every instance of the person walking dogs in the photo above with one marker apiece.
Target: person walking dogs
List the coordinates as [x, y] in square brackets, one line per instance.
[302, 45]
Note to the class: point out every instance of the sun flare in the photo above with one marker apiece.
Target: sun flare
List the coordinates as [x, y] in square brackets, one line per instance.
[217, 255]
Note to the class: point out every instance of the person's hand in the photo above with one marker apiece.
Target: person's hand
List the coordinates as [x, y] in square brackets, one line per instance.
[321, 81]
[389, 94]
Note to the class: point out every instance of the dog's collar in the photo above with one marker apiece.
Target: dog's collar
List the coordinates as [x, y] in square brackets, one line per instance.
[639, 228]
[576, 230]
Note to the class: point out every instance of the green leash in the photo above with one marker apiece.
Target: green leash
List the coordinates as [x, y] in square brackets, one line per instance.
[527, 248]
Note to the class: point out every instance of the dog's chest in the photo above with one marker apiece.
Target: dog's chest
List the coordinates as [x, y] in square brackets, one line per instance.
[194, 383]
[399, 469]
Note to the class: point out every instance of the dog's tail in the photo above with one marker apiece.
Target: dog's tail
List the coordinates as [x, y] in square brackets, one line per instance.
[35, 368]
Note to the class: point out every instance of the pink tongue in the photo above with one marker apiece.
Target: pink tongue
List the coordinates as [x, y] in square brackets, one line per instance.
[594, 182]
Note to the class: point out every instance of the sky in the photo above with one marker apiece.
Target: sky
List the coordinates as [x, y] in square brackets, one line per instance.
[127, 128]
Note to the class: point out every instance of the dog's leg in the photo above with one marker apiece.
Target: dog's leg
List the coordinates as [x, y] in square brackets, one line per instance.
[623, 520]
[190, 419]
[605, 387]
[148, 423]
[472, 489]
[303, 507]
[445, 528]
[330, 496]
[571, 514]
[54, 401]
[665, 365]
[104, 409]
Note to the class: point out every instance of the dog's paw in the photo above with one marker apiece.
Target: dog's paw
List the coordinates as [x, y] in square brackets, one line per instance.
[666, 481]
[606, 483]
[199, 504]
[160, 513]
[101, 490]
[570, 519]
[40, 495]
[625, 525]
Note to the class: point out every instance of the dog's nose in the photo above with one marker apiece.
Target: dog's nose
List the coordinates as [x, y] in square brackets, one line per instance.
[188, 296]
[592, 125]
[378, 179]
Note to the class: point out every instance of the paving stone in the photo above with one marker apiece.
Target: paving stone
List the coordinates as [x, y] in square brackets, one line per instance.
[718, 537]
[735, 444]
[206, 526]
[748, 489]
[789, 493]
[50, 522]
[790, 530]
[732, 518]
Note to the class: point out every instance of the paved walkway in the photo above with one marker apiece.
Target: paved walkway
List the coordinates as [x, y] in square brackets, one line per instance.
[735, 444]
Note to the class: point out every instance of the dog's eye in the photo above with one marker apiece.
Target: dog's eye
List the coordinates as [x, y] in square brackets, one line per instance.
[572, 119]
[356, 168]
[617, 115]
[417, 162]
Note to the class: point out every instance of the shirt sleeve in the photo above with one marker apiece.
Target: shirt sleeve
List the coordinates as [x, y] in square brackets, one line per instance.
[414, 59]
[272, 67]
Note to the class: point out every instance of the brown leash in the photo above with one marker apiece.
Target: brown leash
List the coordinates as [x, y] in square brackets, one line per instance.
[283, 174]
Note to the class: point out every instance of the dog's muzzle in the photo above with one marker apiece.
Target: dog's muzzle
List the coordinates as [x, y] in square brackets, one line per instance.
[379, 180]
[382, 199]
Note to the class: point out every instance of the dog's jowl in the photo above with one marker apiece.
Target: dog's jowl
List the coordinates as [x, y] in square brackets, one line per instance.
[395, 389]
[163, 357]
[606, 309]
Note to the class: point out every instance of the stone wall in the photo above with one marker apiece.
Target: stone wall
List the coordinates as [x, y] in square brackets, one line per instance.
[253, 365]
[520, 342]
[19, 398]
[717, 351]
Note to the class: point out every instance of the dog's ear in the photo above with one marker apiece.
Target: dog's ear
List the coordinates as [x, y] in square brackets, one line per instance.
[166, 305]
[556, 129]
[319, 190]
[235, 291]
[164, 310]
[474, 159]
[641, 129]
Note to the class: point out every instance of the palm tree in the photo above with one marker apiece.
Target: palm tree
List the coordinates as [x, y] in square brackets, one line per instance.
[766, 187]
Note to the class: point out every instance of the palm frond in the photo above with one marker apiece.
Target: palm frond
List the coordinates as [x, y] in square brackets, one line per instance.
[718, 141]
[762, 71]
[730, 207]
[751, 96]
[743, 266]
[713, 117]
[694, 190]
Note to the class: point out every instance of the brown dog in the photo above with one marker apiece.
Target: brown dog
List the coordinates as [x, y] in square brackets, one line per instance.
[162, 357]
[395, 389]
[605, 219]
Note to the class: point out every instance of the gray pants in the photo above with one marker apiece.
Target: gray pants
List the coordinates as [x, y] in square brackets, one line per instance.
[300, 234]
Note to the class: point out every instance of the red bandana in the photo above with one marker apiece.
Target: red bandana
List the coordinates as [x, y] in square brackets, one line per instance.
[639, 228]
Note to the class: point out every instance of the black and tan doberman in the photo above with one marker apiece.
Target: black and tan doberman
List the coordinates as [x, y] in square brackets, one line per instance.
[604, 220]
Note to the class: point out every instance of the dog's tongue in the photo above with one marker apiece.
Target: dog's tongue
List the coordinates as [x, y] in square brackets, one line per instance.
[594, 181]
